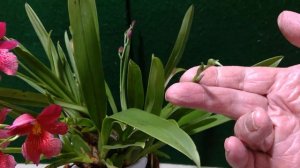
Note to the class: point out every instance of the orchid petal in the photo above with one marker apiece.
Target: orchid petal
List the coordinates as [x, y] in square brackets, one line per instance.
[56, 128]
[23, 120]
[289, 25]
[49, 115]
[3, 114]
[7, 161]
[2, 29]
[4, 134]
[9, 44]
[8, 62]
[22, 125]
[31, 148]
[51, 147]
[44, 143]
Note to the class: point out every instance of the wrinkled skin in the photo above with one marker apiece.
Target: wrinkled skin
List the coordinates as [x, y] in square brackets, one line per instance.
[265, 102]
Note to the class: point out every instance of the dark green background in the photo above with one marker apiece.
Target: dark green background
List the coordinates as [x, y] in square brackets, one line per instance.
[237, 32]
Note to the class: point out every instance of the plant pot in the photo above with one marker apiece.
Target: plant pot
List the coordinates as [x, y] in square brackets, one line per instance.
[142, 163]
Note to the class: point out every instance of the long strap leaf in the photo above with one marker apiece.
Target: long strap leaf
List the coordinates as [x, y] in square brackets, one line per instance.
[135, 90]
[44, 37]
[180, 43]
[45, 75]
[155, 89]
[23, 98]
[87, 53]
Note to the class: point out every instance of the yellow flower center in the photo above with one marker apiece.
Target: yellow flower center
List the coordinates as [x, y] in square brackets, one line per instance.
[36, 129]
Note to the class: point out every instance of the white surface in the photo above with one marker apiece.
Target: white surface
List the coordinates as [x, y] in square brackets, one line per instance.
[163, 165]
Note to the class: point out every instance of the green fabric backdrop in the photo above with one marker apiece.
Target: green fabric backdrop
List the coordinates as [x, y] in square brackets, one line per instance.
[237, 32]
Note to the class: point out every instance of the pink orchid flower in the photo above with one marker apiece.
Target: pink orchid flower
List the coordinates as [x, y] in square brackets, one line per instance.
[40, 139]
[8, 61]
[289, 25]
[3, 114]
[6, 161]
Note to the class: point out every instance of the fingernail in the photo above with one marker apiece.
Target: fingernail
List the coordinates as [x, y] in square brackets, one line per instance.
[227, 145]
[251, 121]
[256, 116]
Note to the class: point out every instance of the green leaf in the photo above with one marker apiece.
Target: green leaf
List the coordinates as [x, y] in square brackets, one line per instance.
[104, 136]
[44, 74]
[163, 130]
[17, 110]
[192, 117]
[135, 90]
[174, 112]
[161, 154]
[69, 105]
[207, 123]
[84, 122]
[74, 144]
[66, 74]
[180, 43]
[122, 146]
[33, 83]
[67, 158]
[11, 150]
[271, 62]
[155, 88]
[168, 110]
[79, 145]
[174, 72]
[109, 164]
[69, 46]
[44, 37]
[67, 145]
[88, 59]
[23, 97]
[110, 99]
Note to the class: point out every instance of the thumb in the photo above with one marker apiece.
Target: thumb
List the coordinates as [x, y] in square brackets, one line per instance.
[255, 129]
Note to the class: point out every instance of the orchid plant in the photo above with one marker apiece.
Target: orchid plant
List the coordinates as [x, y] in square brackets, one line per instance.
[81, 123]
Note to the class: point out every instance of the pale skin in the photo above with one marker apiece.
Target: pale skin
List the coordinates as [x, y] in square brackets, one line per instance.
[265, 102]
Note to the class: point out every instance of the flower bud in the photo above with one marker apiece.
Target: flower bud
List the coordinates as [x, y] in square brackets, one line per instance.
[120, 50]
[289, 25]
[129, 31]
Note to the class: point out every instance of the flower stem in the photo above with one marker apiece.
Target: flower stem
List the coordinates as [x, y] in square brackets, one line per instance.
[11, 150]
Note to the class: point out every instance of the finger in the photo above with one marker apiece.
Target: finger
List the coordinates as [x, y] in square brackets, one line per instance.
[237, 155]
[229, 102]
[251, 79]
[255, 129]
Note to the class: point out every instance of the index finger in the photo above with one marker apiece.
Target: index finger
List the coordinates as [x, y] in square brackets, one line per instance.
[250, 79]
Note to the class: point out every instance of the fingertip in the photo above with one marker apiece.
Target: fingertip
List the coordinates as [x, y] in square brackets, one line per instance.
[171, 92]
[255, 129]
[262, 120]
[186, 94]
[189, 75]
[288, 23]
[237, 155]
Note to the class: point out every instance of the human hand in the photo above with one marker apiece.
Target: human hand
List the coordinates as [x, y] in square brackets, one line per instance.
[264, 101]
